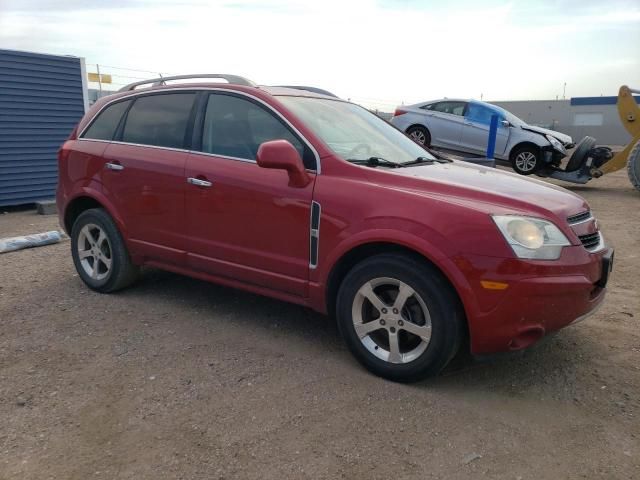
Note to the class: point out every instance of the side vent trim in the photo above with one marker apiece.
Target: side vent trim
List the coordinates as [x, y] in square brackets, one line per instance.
[314, 237]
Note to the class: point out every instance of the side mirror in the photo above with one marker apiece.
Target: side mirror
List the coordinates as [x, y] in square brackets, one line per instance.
[282, 155]
[505, 123]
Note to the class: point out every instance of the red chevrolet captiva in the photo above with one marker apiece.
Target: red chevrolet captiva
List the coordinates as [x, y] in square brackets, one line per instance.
[310, 199]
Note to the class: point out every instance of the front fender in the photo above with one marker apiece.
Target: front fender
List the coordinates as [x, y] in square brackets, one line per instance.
[419, 244]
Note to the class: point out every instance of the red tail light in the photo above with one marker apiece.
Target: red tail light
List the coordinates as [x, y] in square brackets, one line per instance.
[399, 112]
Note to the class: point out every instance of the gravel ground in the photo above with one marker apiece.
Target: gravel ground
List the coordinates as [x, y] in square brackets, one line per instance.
[180, 379]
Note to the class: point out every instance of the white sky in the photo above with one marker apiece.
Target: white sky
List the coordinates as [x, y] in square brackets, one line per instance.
[379, 53]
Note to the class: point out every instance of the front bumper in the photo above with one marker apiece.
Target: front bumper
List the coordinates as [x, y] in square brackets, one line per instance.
[552, 156]
[541, 297]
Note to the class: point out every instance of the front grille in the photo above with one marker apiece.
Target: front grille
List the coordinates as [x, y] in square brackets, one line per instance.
[590, 241]
[579, 217]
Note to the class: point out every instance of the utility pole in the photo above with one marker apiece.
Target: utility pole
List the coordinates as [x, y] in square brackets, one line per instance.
[99, 79]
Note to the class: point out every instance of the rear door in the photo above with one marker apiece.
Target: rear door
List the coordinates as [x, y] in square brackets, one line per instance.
[245, 222]
[445, 120]
[144, 174]
[475, 134]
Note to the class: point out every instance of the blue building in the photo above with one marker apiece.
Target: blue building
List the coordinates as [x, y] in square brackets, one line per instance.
[42, 97]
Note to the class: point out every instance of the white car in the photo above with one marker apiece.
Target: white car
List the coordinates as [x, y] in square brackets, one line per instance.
[463, 126]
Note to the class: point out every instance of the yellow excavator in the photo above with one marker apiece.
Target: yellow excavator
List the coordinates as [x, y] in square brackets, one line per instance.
[590, 161]
[630, 116]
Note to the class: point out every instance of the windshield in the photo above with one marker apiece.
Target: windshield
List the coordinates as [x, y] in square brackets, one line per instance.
[353, 132]
[511, 118]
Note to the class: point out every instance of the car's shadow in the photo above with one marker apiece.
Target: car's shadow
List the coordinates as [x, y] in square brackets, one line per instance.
[232, 305]
[296, 323]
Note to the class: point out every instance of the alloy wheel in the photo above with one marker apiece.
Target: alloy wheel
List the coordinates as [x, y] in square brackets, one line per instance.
[391, 320]
[418, 136]
[94, 251]
[526, 161]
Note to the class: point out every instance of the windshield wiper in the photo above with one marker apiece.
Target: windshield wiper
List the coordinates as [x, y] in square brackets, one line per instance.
[375, 162]
[427, 160]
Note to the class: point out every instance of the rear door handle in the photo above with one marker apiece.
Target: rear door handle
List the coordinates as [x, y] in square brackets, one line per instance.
[114, 166]
[198, 182]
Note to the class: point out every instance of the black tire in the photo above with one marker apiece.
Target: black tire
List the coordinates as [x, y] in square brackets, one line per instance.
[420, 135]
[445, 311]
[633, 166]
[121, 272]
[580, 154]
[527, 151]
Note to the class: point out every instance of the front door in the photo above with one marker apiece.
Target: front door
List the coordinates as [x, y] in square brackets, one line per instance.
[475, 133]
[245, 222]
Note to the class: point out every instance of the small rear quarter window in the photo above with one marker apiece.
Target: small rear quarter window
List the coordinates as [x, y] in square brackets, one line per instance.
[105, 125]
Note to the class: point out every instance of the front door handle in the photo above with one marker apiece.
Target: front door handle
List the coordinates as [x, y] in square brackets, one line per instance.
[114, 166]
[198, 182]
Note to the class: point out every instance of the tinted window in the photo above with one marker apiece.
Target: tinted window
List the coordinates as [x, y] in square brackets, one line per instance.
[235, 127]
[454, 108]
[159, 120]
[479, 113]
[104, 126]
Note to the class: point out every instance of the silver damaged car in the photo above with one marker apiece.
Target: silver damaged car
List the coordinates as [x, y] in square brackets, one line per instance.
[463, 126]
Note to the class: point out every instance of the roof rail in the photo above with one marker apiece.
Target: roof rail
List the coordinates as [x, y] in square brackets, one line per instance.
[235, 79]
[321, 91]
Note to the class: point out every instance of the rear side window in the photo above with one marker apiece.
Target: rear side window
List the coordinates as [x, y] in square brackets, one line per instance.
[235, 127]
[106, 123]
[159, 120]
[453, 108]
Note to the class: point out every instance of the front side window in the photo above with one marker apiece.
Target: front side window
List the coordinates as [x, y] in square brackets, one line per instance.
[159, 120]
[353, 132]
[480, 114]
[105, 125]
[452, 108]
[235, 127]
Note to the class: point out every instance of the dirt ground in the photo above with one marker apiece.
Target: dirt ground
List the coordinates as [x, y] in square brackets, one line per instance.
[176, 378]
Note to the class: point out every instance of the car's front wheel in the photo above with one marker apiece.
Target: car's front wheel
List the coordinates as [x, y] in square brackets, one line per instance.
[399, 317]
[99, 252]
[525, 160]
[420, 135]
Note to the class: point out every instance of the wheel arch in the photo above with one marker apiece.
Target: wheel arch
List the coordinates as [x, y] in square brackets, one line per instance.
[520, 145]
[85, 200]
[421, 125]
[76, 207]
[360, 252]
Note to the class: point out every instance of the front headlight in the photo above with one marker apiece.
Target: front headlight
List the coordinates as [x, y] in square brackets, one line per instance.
[530, 237]
[555, 143]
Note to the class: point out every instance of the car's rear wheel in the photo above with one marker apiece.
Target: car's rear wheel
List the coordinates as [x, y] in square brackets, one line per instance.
[99, 253]
[399, 317]
[420, 135]
[526, 160]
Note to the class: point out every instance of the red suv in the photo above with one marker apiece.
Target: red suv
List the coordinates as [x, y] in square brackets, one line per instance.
[314, 200]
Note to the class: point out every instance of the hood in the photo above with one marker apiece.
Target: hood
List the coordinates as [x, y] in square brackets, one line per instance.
[491, 190]
[565, 139]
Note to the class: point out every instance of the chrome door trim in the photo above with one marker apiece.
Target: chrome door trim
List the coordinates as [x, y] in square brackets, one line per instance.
[198, 152]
